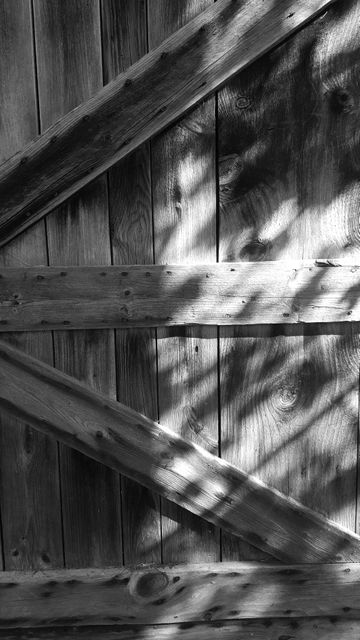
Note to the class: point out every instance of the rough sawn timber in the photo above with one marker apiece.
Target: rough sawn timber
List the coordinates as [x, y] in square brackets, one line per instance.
[329, 627]
[287, 154]
[31, 532]
[285, 292]
[178, 593]
[183, 162]
[125, 40]
[139, 103]
[68, 54]
[181, 471]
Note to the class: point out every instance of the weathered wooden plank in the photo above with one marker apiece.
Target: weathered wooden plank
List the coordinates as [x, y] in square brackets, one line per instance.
[330, 628]
[29, 478]
[125, 113]
[243, 293]
[124, 29]
[257, 417]
[184, 200]
[257, 423]
[295, 398]
[329, 191]
[178, 593]
[157, 457]
[29, 474]
[328, 218]
[78, 233]
[284, 162]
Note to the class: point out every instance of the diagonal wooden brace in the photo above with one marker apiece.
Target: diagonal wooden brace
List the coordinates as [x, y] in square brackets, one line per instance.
[60, 406]
[159, 88]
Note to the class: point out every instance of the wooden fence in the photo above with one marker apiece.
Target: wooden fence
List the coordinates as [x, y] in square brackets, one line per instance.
[209, 280]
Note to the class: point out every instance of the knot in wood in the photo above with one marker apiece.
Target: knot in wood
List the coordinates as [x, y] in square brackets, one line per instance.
[229, 169]
[296, 389]
[289, 395]
[341, 101]
[255, 250]
[151, 584]
[242, 102]
[191, 421]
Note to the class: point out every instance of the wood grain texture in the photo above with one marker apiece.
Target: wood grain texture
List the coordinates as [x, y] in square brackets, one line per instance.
[296, 416]
[293, 392]
[124, 29]
[158, 458]
[77, 234]
[163, 594]
[184, 200]
[266, 629]
[29, 479]
[333, 196]
[326, 628]
[187, 67]
[164, 295]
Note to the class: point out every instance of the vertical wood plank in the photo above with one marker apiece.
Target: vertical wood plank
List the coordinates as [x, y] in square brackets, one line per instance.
[124, 26]
[68, 42]
[329, 188]
[290, 398]
[259, 389]
[29, 478]
[184, 198]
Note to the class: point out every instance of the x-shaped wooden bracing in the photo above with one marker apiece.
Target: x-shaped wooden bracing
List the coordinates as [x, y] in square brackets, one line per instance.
[89, 140]
[186, 474]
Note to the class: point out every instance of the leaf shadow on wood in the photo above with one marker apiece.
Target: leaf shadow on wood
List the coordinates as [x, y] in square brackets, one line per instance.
[271, 377]
[284, 175]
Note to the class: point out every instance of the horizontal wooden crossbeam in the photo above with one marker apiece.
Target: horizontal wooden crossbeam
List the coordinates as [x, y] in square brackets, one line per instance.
[180, 594]
[325, 628]
[32, 299]
[139, 103]
[60, 406]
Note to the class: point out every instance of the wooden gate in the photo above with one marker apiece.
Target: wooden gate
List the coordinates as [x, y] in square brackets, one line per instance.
[200, 270]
